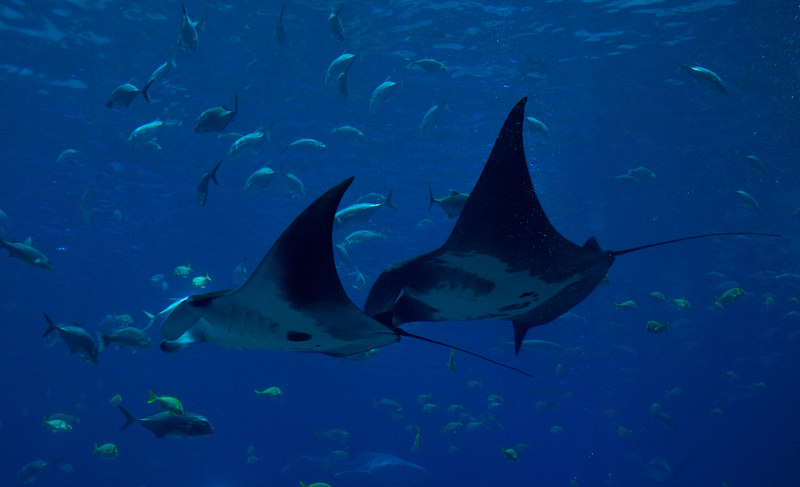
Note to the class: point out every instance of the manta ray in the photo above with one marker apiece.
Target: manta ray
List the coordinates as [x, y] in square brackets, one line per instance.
[292, 301]
[504, 260]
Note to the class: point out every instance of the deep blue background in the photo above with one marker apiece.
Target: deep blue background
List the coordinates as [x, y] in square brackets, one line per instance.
[604, 75]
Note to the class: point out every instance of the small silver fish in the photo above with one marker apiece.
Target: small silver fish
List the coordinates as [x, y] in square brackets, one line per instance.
[750, 199]
[248, 144]
[348, 130]
[202, 188]
[538, 125]
[432, 116]
[756, 162]
[258, 180]
[123, 95]
[338, 66]
[382, 93]
[304, 144]
[77, 339]
[215, 119]
[26, 252]
[429, 65]
[67, 155]
[293, 185]
[358, 213]
[452, 203]
[188, 39]
[706, 76]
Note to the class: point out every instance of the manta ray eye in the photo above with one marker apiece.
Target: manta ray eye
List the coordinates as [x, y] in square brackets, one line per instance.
[297, 336]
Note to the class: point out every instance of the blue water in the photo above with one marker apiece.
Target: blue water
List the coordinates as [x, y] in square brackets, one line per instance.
[604, 76]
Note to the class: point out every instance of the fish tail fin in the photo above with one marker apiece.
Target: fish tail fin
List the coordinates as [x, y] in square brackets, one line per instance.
[129, 419]
[214, 173]
[51, 326]
[144, 90]
[432, 199]
[388, 201]
[102, 341]
[153, 397]
[150, 319]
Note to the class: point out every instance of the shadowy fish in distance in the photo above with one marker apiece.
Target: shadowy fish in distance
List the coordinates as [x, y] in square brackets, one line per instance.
[188, 38]
[123, 95]
[279, 33]
[202, 188]
[128, 337]
[335, 23]
[452, 203]
[77, 339]
[215, 119]
[27, 253]
[706, 76]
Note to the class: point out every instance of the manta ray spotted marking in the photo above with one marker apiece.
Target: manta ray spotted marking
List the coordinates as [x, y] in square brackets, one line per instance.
[504, 260]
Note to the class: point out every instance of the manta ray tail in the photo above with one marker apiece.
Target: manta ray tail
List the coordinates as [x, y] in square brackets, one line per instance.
[404, 333]
[674, 240]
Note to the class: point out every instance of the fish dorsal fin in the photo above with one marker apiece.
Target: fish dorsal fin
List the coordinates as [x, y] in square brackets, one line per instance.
[300, 263]
[28, 241]
[503, 204]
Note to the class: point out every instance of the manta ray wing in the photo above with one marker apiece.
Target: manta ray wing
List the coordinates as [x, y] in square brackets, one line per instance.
[293, 300]
[504, 259]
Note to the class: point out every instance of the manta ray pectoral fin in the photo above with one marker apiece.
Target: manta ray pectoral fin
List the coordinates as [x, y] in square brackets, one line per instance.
[190, 337]
[300, 262]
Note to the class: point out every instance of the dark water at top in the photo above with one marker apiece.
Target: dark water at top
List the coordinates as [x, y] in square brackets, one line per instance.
[606, 78]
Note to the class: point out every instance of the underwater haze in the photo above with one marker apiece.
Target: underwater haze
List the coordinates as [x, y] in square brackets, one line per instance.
[648, 120]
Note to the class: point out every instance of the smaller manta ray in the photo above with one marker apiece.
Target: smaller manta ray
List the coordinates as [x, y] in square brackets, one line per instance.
[293, 301]
[504, 260]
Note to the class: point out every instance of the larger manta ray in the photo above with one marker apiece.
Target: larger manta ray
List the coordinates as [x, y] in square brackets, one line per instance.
[504, 260]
